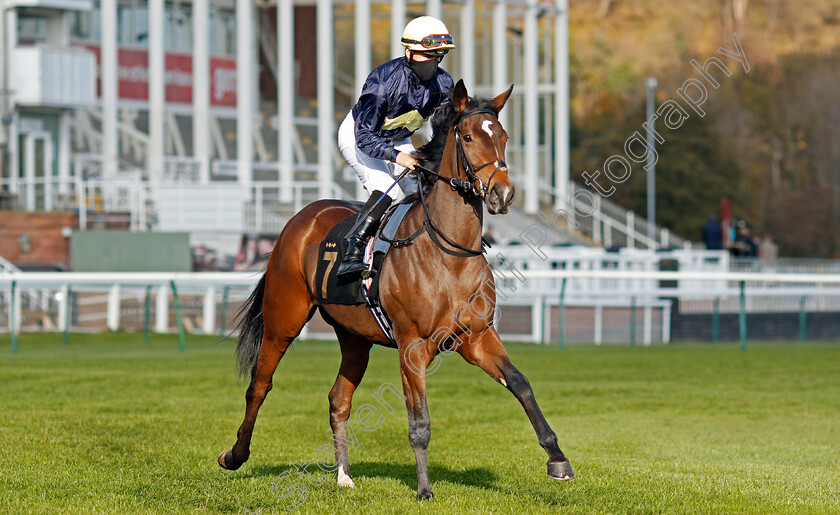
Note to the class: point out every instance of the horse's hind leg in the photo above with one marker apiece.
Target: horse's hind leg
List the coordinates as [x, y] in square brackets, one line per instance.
[271, 352]
[489, 354]
[355, 352]
[283, 317]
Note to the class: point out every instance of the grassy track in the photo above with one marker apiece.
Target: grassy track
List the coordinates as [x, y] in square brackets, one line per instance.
[109, 424]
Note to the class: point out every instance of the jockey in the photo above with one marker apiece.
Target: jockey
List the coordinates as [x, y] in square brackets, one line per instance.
[374, 138]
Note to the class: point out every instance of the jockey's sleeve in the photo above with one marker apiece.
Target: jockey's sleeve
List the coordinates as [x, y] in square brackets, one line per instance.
[372, 106]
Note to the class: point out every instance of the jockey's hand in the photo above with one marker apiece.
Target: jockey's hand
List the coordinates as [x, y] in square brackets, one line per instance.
[407, 160]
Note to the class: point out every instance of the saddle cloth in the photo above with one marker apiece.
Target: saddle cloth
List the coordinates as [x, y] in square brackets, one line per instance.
[335, 290]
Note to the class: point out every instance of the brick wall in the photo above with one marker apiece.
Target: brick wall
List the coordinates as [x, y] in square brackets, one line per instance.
[49, 247]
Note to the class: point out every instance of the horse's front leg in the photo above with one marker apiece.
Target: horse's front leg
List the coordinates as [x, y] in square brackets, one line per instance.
[487, 352]
[413, 363]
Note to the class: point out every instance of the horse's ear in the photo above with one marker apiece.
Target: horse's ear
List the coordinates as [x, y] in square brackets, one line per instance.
[459, 96]
[500, 100]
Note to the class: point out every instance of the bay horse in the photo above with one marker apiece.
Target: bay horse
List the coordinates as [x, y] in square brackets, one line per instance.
[425, 286]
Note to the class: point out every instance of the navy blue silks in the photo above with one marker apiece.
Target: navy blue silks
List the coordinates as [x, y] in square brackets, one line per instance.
[393, 104]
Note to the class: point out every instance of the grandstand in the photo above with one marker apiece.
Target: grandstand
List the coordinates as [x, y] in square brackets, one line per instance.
[126, 117]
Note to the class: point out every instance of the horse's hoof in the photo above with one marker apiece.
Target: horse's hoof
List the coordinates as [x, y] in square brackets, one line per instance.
[425, 495]
[344, 480]
[226, 461]
[561, 471]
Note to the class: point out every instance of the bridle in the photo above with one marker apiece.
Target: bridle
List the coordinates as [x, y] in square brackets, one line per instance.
[479, 189]
[472, 186]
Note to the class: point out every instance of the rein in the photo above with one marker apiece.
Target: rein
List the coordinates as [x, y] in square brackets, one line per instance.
[466, 187]
[433, 229]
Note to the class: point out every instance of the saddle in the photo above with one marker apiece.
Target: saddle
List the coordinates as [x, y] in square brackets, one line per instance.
[359, 290]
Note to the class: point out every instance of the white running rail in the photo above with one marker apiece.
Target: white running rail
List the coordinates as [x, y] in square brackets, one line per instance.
[649, 294]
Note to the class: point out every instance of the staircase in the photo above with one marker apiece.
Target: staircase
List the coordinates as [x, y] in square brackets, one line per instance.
[7, 267]
[612, 225]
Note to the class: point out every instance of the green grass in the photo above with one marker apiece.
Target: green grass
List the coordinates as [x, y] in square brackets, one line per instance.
[108, 424]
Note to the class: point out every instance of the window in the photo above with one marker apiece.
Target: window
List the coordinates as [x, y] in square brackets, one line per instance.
[85, 25]
[178, 35]
[133, 27]
[222, 32]
[31, 29]
[133, 23]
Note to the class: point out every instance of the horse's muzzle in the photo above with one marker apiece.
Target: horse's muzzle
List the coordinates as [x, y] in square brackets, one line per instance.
[499, 198]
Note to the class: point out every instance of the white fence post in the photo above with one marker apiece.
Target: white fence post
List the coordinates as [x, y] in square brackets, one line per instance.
[162, 309]
[63, 299]
[666, 324]
[546, 317]
[536, 320]
[208, 316]
[113, 316]
[15, 314]
[599, 325]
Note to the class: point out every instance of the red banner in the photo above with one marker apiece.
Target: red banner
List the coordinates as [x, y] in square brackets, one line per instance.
[133, 77]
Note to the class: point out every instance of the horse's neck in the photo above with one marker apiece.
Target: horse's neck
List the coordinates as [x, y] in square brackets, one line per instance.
[458, 216]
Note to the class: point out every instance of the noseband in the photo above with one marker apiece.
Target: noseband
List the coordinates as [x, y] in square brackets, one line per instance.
[475, 185]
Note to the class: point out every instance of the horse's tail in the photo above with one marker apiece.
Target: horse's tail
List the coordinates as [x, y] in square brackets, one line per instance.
[250, 327]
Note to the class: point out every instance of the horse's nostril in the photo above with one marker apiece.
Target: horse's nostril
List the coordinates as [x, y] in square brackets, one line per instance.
[498, 192]
[503, 193]
[499, 198]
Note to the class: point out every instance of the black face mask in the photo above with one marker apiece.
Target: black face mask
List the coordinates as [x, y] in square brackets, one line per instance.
[425, 70]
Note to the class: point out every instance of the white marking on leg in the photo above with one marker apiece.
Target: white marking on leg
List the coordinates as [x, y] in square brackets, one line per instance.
[485, 125]
[502, 380]
[344, 479]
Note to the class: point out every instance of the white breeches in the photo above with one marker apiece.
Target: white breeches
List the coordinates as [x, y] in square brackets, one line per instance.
[375, 174]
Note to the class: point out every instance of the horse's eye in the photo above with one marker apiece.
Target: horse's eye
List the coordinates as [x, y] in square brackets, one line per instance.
[467, 138]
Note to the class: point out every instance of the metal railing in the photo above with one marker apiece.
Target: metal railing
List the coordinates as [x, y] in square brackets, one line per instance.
[123, 198]
[7, 267]
[544, 307]
[137, 202]
[695, 296]
[612, 225]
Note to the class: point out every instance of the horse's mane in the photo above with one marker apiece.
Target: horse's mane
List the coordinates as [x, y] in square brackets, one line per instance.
[444, 118]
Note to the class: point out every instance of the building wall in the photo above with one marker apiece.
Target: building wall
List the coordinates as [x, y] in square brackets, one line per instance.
[306, 38]
[43, 230]
[306, 62]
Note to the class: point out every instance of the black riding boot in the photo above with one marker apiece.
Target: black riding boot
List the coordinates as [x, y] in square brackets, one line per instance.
[366, 224]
